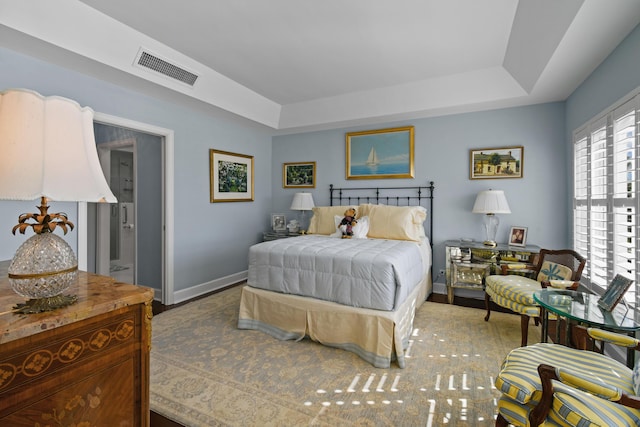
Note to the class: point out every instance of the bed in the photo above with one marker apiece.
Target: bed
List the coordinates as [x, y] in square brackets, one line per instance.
[357, 294]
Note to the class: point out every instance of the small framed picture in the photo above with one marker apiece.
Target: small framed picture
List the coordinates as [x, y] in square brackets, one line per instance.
[299, 175]
[230, 177]
[614, 293]
[518, 236]
[493, 163]
[278, 222]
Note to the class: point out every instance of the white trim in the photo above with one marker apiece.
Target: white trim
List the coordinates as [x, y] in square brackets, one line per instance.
[213, 285]
[168, 186]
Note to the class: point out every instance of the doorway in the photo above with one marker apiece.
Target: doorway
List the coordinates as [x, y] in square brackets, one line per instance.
[116, 233]
[153, 235]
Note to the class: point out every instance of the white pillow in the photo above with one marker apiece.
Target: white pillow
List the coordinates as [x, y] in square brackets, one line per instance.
[360, 230]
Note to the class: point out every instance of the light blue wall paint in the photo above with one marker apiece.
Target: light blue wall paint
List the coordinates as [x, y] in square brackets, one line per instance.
[211, 240]
[617, 76]
[442, 147]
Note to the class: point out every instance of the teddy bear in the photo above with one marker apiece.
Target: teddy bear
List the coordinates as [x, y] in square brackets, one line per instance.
[347, 223]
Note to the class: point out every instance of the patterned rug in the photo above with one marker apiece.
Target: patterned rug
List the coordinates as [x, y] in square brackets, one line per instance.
[206, 372]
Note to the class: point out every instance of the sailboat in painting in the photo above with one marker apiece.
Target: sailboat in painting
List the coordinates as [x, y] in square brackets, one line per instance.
[372, 160]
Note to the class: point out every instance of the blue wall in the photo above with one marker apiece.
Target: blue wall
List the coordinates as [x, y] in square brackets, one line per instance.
[211, 239]
[442, 147]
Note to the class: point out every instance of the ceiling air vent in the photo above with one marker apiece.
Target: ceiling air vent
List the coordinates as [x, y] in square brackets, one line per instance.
[153, 62]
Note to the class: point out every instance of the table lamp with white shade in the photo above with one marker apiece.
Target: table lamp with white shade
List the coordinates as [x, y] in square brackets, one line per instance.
[302, 202]
[490, 203]
[47, 152]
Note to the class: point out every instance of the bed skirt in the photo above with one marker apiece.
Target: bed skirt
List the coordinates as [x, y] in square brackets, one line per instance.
[377, 336]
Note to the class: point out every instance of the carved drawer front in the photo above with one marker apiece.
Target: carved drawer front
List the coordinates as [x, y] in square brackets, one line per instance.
[32, 363]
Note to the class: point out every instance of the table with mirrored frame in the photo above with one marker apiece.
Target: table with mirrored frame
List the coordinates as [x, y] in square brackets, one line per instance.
[582, 308]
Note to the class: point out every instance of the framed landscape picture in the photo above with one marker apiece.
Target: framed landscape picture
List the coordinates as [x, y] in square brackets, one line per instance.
[230, 176]
[299, 175]
[380, 154]
[495, 163]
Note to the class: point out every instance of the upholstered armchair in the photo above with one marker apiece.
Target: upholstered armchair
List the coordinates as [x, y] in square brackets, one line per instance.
[557, 268]
[551, 384]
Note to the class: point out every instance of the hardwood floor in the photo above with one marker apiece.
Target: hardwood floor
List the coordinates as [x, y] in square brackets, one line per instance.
[158, 420]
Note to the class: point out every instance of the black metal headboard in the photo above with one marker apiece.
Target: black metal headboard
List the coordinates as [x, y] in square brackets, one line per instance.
[397, 196]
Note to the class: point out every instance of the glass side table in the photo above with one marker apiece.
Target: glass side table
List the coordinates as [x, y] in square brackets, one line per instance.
[583, 308]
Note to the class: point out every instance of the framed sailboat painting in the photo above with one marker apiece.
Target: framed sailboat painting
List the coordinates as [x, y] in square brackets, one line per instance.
[380, 154]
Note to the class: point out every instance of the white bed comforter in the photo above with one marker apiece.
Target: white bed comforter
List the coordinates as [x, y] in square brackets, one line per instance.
[365, 273]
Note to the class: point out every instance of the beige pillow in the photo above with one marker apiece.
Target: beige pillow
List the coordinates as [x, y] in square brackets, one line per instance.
[323, 219]
[396, 222]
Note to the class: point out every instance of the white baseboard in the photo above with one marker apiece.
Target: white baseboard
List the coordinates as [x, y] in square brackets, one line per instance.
[213, 285]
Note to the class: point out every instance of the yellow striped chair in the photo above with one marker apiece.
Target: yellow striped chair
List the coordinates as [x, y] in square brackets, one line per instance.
[556, 268]
[550, 384]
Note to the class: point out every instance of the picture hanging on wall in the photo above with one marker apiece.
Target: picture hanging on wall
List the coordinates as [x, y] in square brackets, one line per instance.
[494, 163]
[380, 154]
[230, 176]
[299, 175]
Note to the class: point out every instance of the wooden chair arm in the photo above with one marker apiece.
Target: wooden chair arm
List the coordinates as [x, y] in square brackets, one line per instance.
[548, 373]
[539, 414]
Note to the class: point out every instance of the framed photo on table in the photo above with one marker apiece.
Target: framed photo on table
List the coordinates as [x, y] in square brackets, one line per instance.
[278, 222]
[518, 236]
[230, 177]
[614, 293]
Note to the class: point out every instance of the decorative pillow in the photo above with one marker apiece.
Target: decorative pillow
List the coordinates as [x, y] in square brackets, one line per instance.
[397, 222]
[322, 221]
[360, 230]
[554, 271]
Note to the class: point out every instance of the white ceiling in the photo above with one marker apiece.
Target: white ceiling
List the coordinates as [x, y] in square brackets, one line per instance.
[296, 65]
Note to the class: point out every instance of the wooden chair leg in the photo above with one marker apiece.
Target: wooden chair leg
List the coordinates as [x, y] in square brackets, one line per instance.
[524, 328]
[487, 304]
[501, 421]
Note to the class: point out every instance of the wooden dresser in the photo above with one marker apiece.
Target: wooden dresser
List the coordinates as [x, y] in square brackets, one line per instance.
[83, 365]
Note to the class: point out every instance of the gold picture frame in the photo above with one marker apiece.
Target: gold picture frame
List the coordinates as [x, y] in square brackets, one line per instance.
[380, 154]
[299, 175]
[496, 163]
[230, 177]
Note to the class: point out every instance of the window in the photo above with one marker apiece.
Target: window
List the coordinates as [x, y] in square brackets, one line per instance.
[605, 208]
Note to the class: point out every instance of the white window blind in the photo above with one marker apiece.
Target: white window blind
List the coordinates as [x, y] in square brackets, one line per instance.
[605, 215]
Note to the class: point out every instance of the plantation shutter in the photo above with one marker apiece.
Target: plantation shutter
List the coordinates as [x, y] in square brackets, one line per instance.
[606, 209]
[625, 166]
[580, 191]
[598, 212]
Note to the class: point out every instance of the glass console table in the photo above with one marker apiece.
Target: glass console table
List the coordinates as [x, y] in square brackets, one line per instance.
[583, 308]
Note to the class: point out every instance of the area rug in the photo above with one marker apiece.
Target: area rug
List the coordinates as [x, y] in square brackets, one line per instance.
[206, 372]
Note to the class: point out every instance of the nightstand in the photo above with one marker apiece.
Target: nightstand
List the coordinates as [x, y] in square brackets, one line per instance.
[275, 235]
[481, 256]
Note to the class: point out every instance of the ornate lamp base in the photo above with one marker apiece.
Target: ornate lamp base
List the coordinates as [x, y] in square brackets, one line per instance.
[40, 305]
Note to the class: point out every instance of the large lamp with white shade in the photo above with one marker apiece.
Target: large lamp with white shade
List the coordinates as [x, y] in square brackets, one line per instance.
[47, 152]
[490, 203]
[302, 202]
